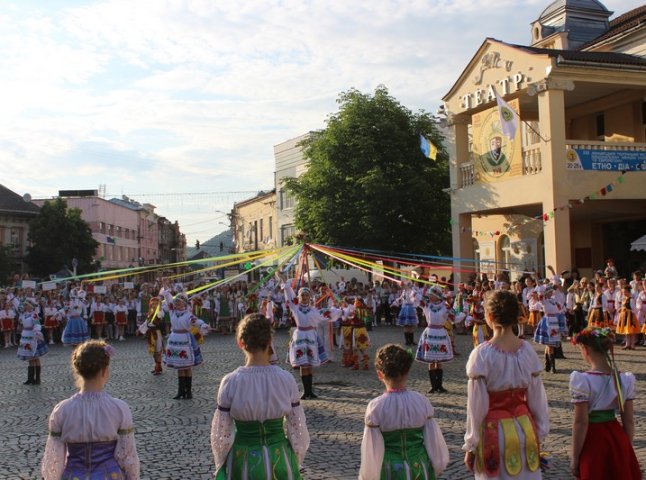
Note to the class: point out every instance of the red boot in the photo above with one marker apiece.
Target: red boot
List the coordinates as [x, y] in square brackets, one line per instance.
[365, 362]
[355, 362]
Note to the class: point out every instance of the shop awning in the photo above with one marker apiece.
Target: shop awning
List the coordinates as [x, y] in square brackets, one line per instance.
[639, 245]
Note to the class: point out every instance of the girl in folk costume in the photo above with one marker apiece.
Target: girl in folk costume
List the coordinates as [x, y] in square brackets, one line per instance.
[258, 430]
[91, 434]
[51, 319]
[182, 351]
[460, 307]
[134, 310]
[97, 314]
[435, 346]
[152, 328]
[110, 326]
[507, 415]
[596, 317]
[627, 322]
[306, 350]
[7, 318]
[360, 337]
[347, 318]
[76, 331]
[523, 312]
[32, 342]
[401, 439]
[570, 308]
[534, 308]
[601, 447]
[550, 328]
[407, 317]
[121, 318]
[612, 310]
[481, 332]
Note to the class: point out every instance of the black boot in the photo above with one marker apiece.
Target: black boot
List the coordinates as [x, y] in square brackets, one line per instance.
[312, 395]
[547, 362]
[188, 387]
[553, 360]
[37, 375]
[558, 352]
[307, 386]
[440, 378]
[30, 376]
[406, 339]
[433, 379]
[181, 387]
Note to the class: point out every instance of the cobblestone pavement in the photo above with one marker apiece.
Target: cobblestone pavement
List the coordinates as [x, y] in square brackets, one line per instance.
[173, 436]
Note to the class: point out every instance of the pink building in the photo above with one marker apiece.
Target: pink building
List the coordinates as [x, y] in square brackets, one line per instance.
[126, 230]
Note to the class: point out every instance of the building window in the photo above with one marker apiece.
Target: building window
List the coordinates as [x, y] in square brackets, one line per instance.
[286, 233]
[101, 227]
[504, 253]
[601, 125]
[286, 200]
[270, 227]
[262, 230]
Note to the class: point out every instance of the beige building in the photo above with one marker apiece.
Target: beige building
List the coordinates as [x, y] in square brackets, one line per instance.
[561, 181]
[253, 223]
[15, 214]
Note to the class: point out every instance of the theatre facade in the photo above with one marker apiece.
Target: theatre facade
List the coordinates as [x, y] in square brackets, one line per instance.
[562, 181]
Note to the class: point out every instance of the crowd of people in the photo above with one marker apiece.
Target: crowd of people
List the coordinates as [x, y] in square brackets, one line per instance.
[259, 428]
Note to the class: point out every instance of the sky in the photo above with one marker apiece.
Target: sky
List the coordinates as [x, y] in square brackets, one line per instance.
[163, 100]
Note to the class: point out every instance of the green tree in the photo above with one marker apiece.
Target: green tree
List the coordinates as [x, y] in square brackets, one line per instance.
[57, 235]
[368, 185]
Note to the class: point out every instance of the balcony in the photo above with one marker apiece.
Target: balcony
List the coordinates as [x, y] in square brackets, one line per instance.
[532, 160]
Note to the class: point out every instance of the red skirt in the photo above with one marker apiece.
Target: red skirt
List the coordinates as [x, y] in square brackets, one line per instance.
[7, 324]
[607, 453]
[98, 318]
[51, 322]
[121, 319]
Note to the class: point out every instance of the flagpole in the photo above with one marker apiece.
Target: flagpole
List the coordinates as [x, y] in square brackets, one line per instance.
[518, 115]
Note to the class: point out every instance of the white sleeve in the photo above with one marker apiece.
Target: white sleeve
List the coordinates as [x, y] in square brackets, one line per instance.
[125, 452]
[372, 448]
[537, 402]
[55, 450]
[297, 433]
[435, 445]
[477, 408]
[222, 428]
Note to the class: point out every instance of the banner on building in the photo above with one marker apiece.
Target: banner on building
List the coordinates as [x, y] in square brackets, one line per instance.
[496, 156]
[606, 160]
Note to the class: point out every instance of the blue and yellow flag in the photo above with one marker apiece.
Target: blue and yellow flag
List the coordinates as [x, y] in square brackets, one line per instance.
[428, 149]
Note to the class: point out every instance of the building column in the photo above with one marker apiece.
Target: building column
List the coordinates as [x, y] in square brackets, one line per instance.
[551, 113]
[462, 247]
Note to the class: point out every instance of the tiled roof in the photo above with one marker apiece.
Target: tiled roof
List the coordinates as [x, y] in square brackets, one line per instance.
[621, 24]
[11, 202]
[591, 57]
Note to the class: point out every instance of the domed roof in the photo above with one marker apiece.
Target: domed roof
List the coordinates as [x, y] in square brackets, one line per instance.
[573, 4]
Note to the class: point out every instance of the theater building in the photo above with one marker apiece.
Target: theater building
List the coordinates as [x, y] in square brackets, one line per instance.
[561, 181]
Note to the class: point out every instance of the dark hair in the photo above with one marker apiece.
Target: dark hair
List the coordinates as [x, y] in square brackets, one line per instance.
[393, 360]
[254, 331]
[503, 306]
[90, 358]
[598, 339]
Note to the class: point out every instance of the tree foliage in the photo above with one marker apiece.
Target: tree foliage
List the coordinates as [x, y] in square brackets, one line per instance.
[368, 185]
[57, 235]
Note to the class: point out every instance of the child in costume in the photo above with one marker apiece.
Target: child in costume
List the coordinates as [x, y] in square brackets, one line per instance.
[407, 316]
[435, 346]
[32, 342]
[481, 332]
[601, 447]
[627, 322]
[596, 316]
[258, 430]
[507, 416]
[7, 318]
[401, 439]
[76, 330]
[550, 328]
[91, 434]
[152, 328]
[182, 349]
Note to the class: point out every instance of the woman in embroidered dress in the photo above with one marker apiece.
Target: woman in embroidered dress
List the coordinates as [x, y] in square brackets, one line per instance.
[627, 322]
[32, 342]
[7, 318]
[306, 350]
[91, 434]
[401, 439]
[601, 447]
[507, 416]
[435, 345]
[76, 330]
[182, 350]
[255, 404]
